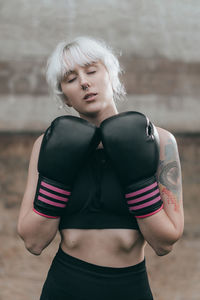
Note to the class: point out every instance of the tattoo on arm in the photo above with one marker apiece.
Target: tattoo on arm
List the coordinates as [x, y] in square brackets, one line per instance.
[169, 176]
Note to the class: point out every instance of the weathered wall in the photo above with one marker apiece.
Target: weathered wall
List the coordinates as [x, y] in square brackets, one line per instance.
[159, 41]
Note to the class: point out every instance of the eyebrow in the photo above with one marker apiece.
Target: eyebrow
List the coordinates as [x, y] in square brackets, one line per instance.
[69, 72]
[87, 65]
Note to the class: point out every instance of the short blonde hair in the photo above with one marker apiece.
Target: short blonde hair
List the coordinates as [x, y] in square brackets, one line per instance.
[83, 50]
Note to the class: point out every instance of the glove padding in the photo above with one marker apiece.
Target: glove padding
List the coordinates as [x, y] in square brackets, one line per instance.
[132, 144]
[66, 144]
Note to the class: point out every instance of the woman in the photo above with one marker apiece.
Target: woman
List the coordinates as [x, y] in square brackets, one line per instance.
[109, 182]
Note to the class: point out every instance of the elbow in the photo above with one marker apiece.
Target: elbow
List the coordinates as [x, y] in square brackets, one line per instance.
[163, 250]
[33, 249]
[30, 245]
[165, 247]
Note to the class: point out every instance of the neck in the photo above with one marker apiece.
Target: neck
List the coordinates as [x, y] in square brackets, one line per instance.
[98, 117]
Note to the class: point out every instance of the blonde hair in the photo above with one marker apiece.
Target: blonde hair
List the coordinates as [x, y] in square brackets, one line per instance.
[82, 51]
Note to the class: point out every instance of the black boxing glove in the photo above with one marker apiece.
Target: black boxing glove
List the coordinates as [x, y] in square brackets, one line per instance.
[65, 146]
[131, 142]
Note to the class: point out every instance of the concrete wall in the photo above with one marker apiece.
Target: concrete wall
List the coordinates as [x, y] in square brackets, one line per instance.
[159, 41]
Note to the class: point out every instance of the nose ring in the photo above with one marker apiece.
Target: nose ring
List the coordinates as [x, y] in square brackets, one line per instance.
[85, 87]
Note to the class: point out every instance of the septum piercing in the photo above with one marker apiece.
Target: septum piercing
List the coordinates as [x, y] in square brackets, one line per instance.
[85, 87]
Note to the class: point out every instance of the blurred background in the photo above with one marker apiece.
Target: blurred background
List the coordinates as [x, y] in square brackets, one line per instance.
[158, 43]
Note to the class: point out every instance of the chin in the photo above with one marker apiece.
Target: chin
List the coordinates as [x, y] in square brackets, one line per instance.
[95, 109]
[91, 113]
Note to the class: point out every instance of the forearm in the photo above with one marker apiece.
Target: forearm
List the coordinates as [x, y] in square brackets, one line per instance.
[36, 231]
[160, 232]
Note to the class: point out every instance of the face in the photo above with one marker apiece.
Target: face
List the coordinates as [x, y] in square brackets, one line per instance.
[98, 96]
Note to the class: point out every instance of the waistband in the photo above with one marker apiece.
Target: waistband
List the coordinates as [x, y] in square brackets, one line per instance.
[67, 259]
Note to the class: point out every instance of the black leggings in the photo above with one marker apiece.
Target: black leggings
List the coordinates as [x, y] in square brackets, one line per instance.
[70, 278]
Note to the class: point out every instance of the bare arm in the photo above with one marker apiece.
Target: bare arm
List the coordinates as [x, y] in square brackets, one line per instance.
[163, 229]
[36, 231]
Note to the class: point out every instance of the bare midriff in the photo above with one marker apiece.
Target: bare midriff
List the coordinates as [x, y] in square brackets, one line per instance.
[105, 247]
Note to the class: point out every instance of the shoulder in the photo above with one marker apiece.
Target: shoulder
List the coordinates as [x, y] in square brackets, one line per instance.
[37, 143]
[36, 149]
[32, 170]
[165, 136]
[167, 141]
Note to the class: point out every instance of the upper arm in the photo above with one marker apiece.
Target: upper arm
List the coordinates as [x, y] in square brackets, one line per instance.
[29, 194]
[169, 177]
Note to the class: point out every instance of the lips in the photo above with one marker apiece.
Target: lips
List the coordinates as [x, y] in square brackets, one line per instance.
[89, 95]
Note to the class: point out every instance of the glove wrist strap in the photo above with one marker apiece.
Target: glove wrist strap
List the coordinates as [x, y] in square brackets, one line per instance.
[145, 200]
[51, 198]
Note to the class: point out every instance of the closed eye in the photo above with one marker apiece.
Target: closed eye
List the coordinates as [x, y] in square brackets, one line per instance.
[71, 80]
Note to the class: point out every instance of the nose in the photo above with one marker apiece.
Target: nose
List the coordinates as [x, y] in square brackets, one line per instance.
[84, 83]
[84, 86]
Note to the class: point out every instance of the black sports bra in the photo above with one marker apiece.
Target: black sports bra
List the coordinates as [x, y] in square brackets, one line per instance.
[97, 200]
